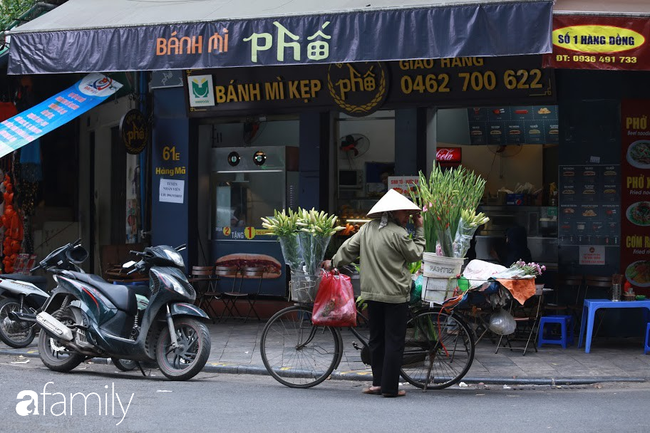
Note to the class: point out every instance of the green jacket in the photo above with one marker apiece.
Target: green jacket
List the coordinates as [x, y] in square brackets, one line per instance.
[384, 258]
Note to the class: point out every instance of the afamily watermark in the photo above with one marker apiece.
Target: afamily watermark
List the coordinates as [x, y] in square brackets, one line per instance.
[47, 403]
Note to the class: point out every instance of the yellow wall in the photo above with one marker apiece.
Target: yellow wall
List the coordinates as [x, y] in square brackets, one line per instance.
[504, 171]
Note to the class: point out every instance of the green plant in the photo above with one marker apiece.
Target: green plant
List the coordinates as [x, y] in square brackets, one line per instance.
[10, 10]
[443, 197]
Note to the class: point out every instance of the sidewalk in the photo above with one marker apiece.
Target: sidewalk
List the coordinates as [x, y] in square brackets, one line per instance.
[235, 349]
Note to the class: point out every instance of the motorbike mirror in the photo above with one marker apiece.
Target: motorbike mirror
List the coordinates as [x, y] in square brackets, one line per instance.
[77, 254]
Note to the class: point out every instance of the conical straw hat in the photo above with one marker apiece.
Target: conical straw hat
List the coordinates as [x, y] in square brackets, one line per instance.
[391, 201]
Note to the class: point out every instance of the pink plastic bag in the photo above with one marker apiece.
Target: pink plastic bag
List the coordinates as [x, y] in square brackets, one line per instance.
[334, 305]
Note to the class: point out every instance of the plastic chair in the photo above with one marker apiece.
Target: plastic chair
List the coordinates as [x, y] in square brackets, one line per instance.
[205, 283]
[566, 330]
[646, 346]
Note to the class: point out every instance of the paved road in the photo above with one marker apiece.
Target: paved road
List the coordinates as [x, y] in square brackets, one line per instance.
[214, 402]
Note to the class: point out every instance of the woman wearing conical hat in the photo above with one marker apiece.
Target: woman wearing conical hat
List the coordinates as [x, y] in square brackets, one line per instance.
[385, 248]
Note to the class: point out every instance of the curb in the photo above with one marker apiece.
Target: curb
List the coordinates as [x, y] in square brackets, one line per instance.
[216, 367]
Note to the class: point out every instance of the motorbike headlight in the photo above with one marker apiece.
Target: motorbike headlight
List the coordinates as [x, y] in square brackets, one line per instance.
[175, 257]
[178, 288]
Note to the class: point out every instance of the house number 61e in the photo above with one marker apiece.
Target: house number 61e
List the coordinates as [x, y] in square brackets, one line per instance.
[169, 153]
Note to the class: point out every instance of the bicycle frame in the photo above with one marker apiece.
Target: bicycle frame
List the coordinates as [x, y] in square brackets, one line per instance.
[439, 348]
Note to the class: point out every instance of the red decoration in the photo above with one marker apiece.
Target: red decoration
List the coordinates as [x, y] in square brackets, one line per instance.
[13, 224]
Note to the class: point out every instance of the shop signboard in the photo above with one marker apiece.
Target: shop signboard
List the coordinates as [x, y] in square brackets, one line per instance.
[358, 89]
[635, 193]
[600, 42]
[134, 131]
[177, 35]
[589, 205]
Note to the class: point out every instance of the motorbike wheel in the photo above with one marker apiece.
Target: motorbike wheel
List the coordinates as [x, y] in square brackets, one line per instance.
[124, 364]
[186, 360]
[54, 355]
[14, 333]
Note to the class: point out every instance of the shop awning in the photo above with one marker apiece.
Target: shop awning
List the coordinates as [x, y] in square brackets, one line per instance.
[630, 8]
[125, 35]
[601, 34]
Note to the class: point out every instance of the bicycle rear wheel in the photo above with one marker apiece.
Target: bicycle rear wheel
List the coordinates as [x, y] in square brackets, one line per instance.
[439, 350]
[297, 353]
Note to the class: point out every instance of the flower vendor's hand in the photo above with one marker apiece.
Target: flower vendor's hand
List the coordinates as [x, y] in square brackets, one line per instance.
[418, 221]
[327, 265]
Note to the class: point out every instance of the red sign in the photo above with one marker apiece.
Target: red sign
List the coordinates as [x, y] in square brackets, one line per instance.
[635, 194]
[600, 42]
[449, 155]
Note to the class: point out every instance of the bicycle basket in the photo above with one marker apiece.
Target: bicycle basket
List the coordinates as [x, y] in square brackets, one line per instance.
[303, 287]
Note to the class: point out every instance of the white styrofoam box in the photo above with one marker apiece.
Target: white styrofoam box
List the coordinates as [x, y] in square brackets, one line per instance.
[441, 267]
[437, 290]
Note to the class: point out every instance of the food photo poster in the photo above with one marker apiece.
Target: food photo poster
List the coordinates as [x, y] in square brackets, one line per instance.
[635, 194]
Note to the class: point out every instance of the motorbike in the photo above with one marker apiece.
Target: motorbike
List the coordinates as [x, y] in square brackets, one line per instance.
[86, 317]
[20, 297]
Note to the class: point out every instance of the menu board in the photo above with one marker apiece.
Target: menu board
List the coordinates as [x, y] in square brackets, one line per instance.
[589, 205]
[513, 125]
[635, 194]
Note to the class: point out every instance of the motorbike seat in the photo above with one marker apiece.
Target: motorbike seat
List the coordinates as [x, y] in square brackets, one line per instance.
[37, 280]
[121, 296]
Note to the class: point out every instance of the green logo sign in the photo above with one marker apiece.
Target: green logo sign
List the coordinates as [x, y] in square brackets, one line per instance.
[200, 90]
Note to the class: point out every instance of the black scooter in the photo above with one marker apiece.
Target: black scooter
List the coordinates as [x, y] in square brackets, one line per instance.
[87, 317]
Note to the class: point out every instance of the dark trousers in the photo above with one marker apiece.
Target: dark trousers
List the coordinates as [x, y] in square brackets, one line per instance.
[387, 323]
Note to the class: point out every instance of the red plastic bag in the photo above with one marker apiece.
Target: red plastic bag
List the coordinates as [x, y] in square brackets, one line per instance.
[334, 305]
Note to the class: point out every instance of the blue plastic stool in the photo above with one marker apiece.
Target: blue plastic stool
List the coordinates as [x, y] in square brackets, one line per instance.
[566, 330]
[646, 348]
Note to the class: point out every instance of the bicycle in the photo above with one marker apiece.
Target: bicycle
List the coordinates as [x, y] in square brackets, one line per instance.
[438, 352]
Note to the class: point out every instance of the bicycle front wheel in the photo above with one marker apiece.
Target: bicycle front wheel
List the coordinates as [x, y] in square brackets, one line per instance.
[438, 351]
[297, 353]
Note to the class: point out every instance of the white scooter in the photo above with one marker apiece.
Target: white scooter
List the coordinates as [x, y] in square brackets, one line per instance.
[20, 298]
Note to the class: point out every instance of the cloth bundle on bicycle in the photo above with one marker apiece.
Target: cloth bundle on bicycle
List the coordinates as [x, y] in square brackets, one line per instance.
[334, 304]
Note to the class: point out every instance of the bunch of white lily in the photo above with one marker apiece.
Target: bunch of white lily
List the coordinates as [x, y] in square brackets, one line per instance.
[303, 235]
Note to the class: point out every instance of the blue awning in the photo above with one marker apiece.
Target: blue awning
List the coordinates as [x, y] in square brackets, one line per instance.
[122, 35]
